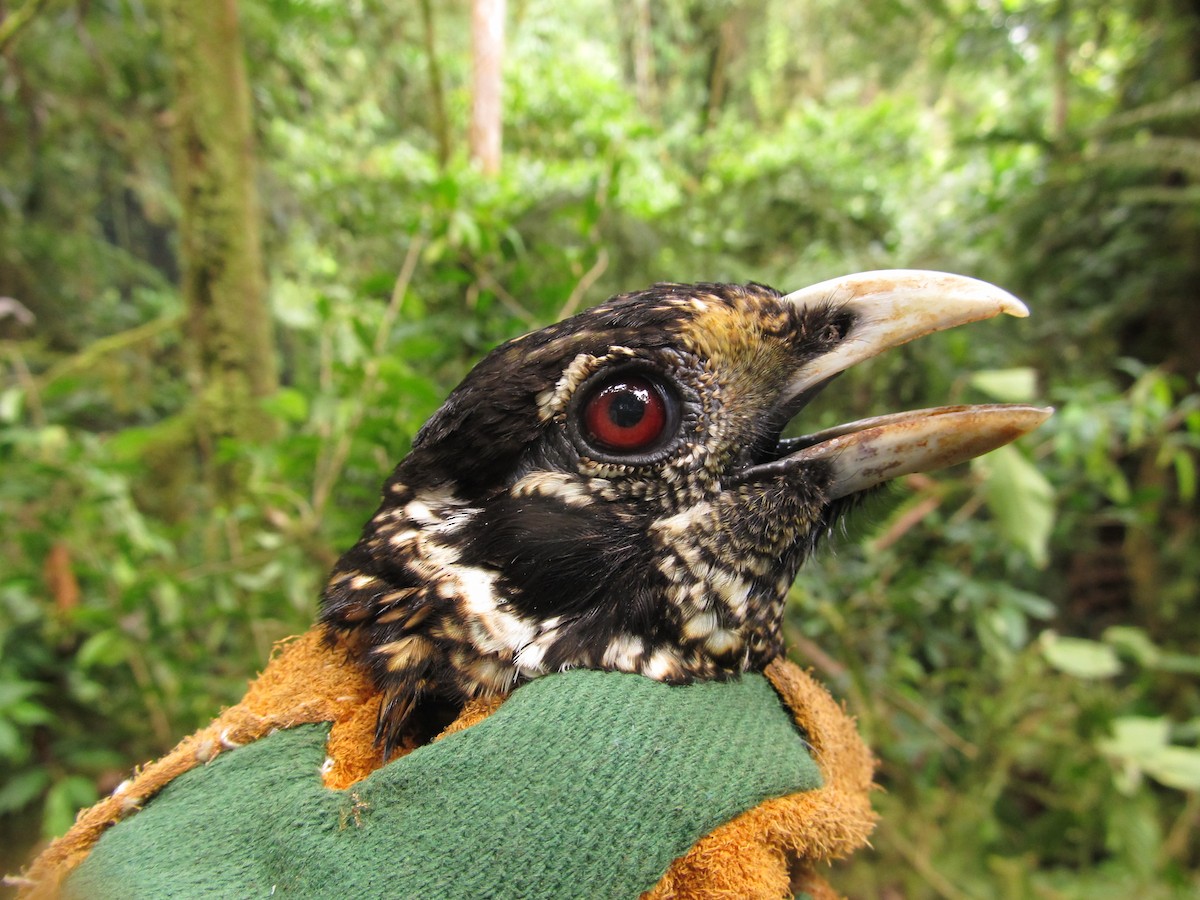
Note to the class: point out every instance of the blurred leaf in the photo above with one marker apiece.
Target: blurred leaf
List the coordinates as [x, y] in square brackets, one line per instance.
[63, 799]
[1177, 767]
[105, 648]
[1144, 743]
[1007, 385]
[1137, 644]
[1134, 642]
[1137, 736]
[29, 713]
[22, 788]
[288, 404]
[11, 403]
[10, 741]
[13, 692]
[1021, 500]
[1079, 657]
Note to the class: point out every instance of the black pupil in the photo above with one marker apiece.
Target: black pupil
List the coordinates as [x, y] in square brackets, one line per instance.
[627, 408]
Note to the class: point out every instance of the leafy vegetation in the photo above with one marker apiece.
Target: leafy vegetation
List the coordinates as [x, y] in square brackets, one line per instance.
[1020, 639]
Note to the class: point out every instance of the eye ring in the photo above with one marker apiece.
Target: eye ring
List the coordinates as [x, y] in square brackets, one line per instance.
[628, 416]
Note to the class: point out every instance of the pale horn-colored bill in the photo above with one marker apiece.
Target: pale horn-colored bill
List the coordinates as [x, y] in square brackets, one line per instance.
[864, 454]
[891, 307]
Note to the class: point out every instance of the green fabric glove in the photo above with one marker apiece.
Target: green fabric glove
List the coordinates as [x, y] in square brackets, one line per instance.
[583, 784]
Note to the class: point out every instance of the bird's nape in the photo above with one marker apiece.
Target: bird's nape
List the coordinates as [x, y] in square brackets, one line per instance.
[613, 492]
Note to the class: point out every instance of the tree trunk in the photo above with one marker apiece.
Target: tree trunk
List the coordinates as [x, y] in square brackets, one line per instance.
[437, 99]
[718, 73]
[1059, 109]
[645, 76]
[224, 285]
[487, 51]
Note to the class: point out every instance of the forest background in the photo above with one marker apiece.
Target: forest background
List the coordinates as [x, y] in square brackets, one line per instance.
[188, 440]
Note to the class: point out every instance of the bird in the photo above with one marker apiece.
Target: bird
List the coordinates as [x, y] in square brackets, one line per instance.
[614, 492]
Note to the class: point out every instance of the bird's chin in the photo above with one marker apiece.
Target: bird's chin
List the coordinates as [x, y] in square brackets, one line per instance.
[860, 455]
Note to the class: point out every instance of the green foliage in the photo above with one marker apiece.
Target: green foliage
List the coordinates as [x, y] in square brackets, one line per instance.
[1018, 637]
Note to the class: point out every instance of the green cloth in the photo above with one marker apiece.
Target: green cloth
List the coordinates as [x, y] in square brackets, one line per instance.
[583, 784]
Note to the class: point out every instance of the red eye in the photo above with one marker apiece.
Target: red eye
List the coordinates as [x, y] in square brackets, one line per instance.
[626, 415]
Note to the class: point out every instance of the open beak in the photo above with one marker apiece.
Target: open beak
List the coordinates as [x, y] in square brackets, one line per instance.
[885, 309]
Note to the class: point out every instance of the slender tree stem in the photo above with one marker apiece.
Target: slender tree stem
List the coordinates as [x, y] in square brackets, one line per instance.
[331, 464]
[487, 50]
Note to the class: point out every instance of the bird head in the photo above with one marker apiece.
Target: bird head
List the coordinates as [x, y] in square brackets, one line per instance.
[613, 491]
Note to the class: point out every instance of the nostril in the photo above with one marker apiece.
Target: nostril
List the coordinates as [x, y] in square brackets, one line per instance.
[836, 329]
